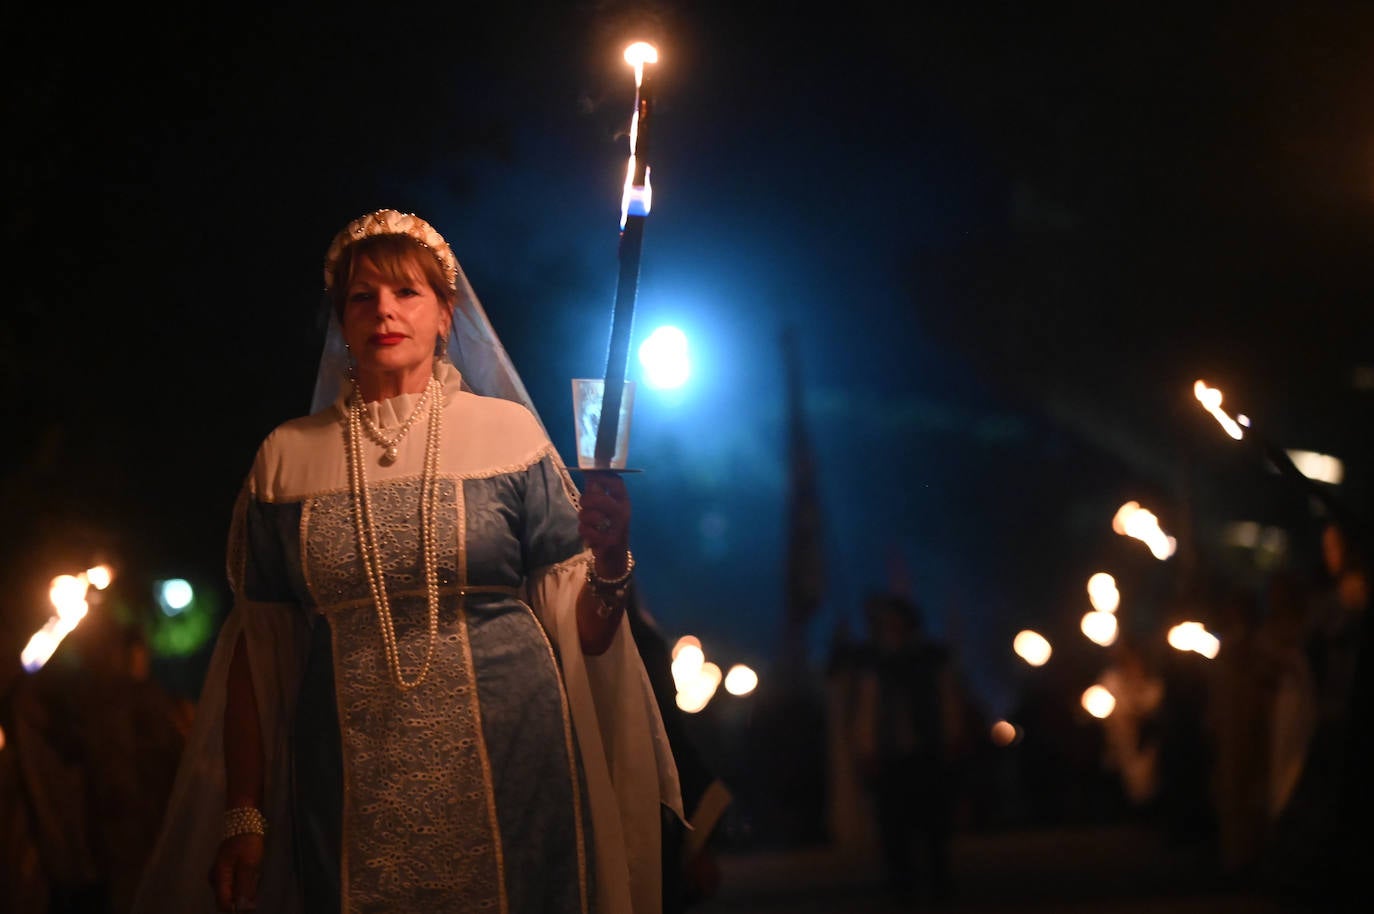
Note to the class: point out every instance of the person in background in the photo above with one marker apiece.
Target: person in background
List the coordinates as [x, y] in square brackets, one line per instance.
[94, 743]
[906, 727]
[1130, 734]
[1239, 720]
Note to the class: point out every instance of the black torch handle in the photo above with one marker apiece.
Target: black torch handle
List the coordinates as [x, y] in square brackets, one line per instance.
[627, 289]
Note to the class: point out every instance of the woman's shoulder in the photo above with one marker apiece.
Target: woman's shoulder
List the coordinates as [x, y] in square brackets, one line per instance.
[491, 434]
[291, 445]
[301, 431]
[495, 413]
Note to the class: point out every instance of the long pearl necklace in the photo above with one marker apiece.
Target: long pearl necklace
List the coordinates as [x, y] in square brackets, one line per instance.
[367, 535]
[390, 446]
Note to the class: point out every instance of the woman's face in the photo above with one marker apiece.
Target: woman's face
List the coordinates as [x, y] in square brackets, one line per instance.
[391, 329]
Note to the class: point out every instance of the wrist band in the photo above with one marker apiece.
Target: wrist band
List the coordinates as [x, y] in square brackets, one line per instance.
[243, 820]
[596, 580]
[610, 592]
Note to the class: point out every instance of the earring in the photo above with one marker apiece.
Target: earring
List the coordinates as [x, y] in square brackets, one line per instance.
[440, 347]
[351, 369]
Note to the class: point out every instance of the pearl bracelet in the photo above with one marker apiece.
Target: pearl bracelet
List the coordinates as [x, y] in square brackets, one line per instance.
[243, 820]
[610, 592]
[597, 581]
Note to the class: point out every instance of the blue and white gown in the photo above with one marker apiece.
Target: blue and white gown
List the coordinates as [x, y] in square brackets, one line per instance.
[519, 776]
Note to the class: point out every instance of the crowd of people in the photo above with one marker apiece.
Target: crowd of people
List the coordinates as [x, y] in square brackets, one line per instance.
[1252, 756]
[1252, 752]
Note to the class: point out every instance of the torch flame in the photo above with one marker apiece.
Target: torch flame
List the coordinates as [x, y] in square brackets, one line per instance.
[637, 55]
[1098, 701]
[100, 576]
[1103, 593]
[1139, 523]
[637, 199]
[67, 593]
[1032, 647]
[1099, 627]
[741, 680]
[1210, 398]
[1193, 636]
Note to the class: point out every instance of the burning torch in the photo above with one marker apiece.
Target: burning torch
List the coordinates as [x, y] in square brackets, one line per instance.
[634, 210]
[1240, 428]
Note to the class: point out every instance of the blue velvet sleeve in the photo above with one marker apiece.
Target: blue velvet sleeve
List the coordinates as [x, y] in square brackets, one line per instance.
[549, 532]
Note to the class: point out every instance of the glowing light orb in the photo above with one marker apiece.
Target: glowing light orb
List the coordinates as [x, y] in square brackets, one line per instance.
[664, 357]
[100, 576]
[1140, 523]
[174, 595]
[1004, 733]
[1031, 647]
[1320, 467]
[1098, 702]
[1102, 592]
[741, 680]
[688, 659]
[1099, 627]
[67, 592]
[640, 53]
[684, 642]
[1192, 636]
[698, 692]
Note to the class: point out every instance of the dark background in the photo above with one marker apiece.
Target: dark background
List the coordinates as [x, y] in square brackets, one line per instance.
[1009, 238]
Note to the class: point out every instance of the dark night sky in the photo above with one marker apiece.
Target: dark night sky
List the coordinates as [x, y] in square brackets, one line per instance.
[1008, 236]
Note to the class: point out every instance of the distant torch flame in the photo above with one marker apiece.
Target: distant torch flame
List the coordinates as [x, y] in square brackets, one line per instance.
[699, 691]
[741, 680]
[1318, 467]
[67, 593]
[1210, 398]
[688, 658]
[1031, 647]
[1004, 733]
[1138, 523]
[1099, 627]
[697, 678]
[1102, 592]
[1098, 702]
[1192, 636]
[100, 576]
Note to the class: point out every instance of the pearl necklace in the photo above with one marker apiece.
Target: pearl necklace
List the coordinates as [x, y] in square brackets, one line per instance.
[390, 446]
[367, 535]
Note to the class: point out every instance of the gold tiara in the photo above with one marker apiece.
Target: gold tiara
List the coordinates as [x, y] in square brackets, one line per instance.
[391, 222]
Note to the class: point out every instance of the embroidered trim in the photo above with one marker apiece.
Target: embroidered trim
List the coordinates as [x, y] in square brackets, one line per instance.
[447, 590]
[345, 830]
[542, 451]
[486, 473]
[302, 529]
[475, 709]
[576, 563]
